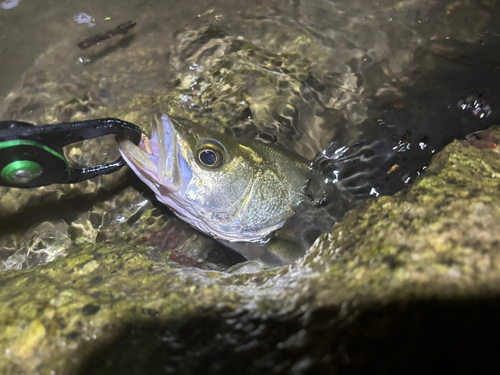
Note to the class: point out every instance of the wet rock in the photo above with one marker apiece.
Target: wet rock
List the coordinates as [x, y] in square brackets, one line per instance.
[440, 234]
[400, 284]
[481, 139]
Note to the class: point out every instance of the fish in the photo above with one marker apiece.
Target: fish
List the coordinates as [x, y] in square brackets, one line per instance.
[242, 193]
[270, 205]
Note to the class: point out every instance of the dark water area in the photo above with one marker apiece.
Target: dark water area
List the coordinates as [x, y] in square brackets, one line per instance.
[404, 129]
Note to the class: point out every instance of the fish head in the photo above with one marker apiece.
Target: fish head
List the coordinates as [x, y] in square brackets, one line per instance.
[229, 189]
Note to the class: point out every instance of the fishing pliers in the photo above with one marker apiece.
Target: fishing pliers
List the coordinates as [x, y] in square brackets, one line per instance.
[32, 156]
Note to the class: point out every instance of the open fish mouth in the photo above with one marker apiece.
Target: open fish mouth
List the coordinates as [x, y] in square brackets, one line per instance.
[157, 160]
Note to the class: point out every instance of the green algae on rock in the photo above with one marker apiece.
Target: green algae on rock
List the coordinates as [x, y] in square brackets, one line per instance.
[77, 299]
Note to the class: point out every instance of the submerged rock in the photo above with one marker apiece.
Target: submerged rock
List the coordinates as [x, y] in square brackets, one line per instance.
[402, 283]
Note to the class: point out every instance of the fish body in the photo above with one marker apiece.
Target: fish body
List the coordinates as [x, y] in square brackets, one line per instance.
[270, 204]
[266, 203]
[239, 192]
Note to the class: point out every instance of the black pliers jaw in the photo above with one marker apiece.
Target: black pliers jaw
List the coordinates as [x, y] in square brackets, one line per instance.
[32, 156]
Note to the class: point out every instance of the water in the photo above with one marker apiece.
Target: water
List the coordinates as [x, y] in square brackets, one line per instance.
[301, 74]
[389, 29]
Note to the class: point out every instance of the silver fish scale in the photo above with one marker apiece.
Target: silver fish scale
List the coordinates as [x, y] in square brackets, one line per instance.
[274, 207]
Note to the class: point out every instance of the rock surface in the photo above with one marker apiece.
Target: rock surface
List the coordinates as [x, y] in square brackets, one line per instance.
[401, 283]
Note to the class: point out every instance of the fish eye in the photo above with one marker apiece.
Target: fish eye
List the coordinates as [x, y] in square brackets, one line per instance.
[208, 157]
[211, 155]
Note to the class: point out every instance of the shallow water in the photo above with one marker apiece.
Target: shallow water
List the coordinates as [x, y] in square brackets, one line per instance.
[386, 29]
[311, 70]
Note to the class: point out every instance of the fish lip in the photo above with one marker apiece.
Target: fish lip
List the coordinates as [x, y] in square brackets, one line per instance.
[161, 169]
[169, 156]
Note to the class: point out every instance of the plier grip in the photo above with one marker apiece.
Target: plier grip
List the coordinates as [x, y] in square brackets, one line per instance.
[32, 156]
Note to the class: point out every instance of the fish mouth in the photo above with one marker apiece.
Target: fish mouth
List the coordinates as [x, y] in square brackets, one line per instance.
[157, 160]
